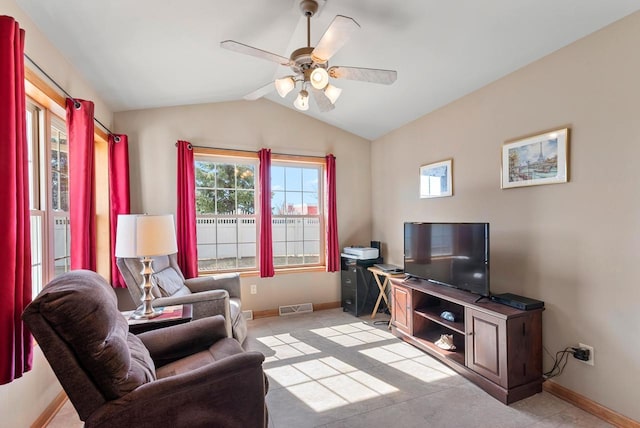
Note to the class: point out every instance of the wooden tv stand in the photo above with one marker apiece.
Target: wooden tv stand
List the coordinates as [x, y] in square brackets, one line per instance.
[499, 348]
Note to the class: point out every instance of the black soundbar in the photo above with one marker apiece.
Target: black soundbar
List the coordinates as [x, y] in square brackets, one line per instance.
[518, 302]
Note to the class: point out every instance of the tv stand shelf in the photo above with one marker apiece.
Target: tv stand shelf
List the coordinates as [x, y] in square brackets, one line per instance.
[434, 316]
[497, 347]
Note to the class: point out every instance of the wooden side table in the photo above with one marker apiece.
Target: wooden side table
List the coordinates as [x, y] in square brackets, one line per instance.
[382, 286]
[172, 315]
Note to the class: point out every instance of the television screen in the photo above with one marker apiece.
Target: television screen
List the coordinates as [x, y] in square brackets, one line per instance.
[452, 254]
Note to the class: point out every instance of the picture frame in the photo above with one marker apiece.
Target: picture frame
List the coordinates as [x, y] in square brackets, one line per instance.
[536, 160]
[436, 179]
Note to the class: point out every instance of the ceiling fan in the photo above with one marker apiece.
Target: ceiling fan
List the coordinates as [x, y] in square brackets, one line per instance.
[310, 64]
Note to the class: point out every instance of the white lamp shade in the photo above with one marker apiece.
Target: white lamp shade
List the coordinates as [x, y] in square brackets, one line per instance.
[319, 78]
[284, 85]
[302, 102]
[332, 93]
[145, 236]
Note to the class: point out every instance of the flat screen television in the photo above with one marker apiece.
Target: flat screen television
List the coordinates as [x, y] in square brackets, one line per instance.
[451, 254]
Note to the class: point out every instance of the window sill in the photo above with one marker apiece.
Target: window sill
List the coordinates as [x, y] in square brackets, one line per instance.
[278, 271]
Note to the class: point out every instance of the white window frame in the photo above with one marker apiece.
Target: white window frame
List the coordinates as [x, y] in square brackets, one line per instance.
[43, 218]
[236, 156]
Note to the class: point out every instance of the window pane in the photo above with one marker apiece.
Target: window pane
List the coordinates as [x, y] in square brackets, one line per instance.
[294, 203]
[277, 178]
[245, 176]
[310, 203]
[37, 266]
[310, 179]
[227, 256]
[61, 242]
[279, 253]
[312, 252]
[247, 230]
[226, 231]
[205, 201]
[225, 202]
[246, 204]
[293, 178]
[295, 252]
[31, 159]
[59, 165]
[205, 174]
[225, 176]
[247, 257]
[312, 229]
[278, 206]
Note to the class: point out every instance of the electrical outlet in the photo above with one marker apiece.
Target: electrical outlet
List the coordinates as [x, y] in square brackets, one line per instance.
[590, 348]
[254, 289]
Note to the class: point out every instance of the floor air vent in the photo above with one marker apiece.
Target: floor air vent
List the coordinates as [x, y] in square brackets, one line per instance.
[248, 315]
[295, 309]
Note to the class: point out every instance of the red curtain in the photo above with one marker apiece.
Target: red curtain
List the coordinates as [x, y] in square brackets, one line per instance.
[82, 189]
[266, 246]
[119, 199]
[333, 249]
[15, 245]
[186, 217]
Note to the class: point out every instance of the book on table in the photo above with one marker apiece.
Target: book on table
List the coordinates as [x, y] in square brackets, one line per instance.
[168, 313]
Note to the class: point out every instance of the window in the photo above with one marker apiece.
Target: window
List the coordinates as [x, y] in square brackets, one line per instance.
[296, 214]
[226, 224]
[48, 194]
[227, 211]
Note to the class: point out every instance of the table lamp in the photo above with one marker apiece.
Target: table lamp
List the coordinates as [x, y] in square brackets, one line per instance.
[145, 236]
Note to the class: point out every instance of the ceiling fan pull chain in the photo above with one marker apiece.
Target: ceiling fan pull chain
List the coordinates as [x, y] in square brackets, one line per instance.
[308, 31]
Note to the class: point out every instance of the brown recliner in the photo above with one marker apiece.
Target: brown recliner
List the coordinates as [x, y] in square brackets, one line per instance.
[189, 375]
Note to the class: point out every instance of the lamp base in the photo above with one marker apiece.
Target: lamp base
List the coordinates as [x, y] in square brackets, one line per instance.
[140, 314]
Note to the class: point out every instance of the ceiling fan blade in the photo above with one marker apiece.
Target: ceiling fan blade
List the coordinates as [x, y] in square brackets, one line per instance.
[372, 75]
[260, 92]
[250, 50]
[323, 103]
[334, 38]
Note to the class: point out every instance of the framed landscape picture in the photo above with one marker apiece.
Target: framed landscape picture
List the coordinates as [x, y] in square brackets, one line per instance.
[435, 179]
[535, 160]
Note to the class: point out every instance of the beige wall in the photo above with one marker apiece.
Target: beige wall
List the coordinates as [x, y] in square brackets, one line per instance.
[23, 400]
[576, 245]
[251, 126]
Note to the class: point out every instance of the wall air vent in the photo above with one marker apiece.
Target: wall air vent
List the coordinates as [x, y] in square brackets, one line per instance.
[295, 309]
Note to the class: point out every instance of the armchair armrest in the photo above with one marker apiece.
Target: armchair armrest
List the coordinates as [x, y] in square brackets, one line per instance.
[171, 343]
[207, 396]
[225, 281]
[205, 304]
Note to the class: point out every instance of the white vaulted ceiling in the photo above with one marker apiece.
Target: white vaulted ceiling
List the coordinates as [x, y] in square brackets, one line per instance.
[142, 54]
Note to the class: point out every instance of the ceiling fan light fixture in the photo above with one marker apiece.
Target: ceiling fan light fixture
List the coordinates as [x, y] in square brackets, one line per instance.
[333, 93]
[319, 78]
[284, 85]
[302, 102]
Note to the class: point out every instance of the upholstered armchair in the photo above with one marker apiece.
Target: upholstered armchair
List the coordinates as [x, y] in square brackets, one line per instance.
[209, 295]
[189, 375]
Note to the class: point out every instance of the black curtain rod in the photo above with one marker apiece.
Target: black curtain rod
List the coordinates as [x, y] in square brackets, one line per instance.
[254, 152]
[75, 103]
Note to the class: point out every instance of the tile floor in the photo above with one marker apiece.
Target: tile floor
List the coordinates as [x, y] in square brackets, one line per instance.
[330, 369]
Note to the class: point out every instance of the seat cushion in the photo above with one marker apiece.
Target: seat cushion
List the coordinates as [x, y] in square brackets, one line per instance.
[221, 349]
[80, 306]
[169, 283]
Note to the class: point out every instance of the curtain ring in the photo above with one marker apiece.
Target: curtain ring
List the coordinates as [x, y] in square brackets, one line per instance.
[116, 138]
[77, 104]
[189, 146]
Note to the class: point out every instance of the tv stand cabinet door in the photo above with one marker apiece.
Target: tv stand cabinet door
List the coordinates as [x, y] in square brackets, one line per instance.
[401, 308]
[486, 345]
